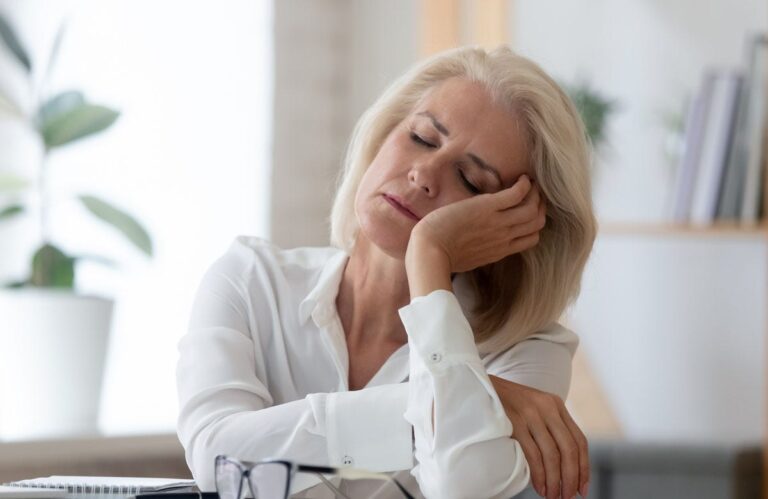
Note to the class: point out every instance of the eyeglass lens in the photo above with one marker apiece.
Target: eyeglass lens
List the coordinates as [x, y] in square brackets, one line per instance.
[270, 480]
[229, 480]
[265, 481]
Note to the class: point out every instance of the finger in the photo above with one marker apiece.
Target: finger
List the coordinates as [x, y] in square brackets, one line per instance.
[521, 244]
[534, 195]
[533, 457]
[521, 226]
[569, 454]
[513, 195]
[581, 441]
[550, 456]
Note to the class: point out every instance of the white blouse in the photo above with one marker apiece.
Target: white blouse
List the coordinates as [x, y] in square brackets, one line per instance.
[263, 372]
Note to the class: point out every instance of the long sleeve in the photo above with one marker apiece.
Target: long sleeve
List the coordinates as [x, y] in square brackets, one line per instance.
[225, 406]
[469, 453]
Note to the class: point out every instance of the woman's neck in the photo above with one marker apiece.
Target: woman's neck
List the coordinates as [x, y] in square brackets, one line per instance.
[373, 287]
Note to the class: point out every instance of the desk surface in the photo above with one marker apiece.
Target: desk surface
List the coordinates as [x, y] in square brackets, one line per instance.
[142, 455]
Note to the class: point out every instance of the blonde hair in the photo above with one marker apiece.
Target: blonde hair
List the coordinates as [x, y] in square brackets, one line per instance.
[524, 292]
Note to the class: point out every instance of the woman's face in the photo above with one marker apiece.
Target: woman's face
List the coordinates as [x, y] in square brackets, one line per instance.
[456, 143]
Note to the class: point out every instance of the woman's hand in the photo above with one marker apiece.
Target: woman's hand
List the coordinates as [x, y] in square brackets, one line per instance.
[555, 448]
[486, 228]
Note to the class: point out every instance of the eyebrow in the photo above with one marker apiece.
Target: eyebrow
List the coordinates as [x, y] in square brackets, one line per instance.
[485, 166]
[479, 162]
[438, 125]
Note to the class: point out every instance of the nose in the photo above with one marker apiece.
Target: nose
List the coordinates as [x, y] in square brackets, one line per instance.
[425, 175]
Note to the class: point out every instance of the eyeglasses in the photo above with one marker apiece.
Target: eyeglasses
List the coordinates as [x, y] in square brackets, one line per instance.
[271, 478]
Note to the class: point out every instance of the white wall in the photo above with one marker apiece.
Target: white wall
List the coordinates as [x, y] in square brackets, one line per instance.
[188, 157]
[674, 329]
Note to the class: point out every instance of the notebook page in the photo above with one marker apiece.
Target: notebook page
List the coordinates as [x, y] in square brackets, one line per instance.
[105, 484]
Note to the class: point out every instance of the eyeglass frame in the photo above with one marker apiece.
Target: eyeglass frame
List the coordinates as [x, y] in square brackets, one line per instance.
[345, 473]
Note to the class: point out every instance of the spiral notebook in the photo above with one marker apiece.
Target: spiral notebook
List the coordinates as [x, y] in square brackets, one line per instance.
[102, 485]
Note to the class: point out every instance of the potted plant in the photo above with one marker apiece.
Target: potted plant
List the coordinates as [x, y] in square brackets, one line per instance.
[53, 340]
[594, 108]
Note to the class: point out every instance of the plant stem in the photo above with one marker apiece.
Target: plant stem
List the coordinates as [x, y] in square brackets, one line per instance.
[43, 199]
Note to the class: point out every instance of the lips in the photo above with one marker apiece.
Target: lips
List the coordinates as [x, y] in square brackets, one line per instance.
[401, 206]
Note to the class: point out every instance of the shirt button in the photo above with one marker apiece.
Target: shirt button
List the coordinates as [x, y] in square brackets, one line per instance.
[347, 461]
[436, 357]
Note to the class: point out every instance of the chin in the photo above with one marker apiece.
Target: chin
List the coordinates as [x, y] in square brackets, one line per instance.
[386, 236]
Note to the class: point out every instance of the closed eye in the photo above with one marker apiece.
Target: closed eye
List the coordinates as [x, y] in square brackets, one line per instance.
[419, 140]
[469, 186]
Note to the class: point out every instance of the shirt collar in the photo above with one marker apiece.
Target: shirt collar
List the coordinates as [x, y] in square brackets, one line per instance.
[319, 301]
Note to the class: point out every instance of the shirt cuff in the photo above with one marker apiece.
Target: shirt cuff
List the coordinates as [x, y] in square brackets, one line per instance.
[366, 428]
[439, 334]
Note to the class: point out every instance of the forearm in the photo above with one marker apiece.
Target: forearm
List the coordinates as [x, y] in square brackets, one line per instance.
[448, 382]
[323, 428]
[427, 266]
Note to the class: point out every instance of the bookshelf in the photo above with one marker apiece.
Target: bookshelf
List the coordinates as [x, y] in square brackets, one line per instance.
[671, 229]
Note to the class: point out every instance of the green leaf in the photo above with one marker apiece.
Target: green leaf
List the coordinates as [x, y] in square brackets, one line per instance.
[10, 182]
[10, 211]
[54, 55]
[594, 109]
[59, 105]
[76, 123]
[52, 268]
[15, 284]
[121, 221]
[8, 36]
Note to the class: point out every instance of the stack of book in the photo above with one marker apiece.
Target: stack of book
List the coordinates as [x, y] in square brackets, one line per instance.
[722, 171]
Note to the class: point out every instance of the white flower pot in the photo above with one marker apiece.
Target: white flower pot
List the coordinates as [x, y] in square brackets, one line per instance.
[52, 350]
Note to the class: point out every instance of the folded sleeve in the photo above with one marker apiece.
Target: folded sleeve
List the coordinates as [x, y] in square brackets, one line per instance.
[468, 453]
[225, 406]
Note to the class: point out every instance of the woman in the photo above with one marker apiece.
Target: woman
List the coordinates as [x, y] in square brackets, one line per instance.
[470, 176]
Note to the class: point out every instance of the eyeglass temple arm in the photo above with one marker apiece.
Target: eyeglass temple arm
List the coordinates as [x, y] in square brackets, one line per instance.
[353, 474]
[331, 486]
[358, 474]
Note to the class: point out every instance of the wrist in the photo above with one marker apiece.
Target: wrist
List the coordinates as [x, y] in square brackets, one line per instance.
[428, 267]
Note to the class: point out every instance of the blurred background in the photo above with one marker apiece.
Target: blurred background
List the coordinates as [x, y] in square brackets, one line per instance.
[234, 117]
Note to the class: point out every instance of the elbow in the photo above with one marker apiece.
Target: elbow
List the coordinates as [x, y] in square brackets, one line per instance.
[478, 475]
[201, 464]
[200, 461]
[200, 455]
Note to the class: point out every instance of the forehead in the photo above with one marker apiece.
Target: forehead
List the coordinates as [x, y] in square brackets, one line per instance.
[490, 129]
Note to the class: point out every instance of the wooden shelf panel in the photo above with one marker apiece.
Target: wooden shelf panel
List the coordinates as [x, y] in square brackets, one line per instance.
[672, 229]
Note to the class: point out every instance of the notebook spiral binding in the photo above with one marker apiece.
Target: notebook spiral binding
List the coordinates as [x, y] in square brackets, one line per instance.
[82, 488]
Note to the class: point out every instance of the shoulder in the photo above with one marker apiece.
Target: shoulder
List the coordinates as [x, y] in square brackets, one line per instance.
[553, 338]
[248, 255]
[542, 360]
[558, 334]
[258, 269]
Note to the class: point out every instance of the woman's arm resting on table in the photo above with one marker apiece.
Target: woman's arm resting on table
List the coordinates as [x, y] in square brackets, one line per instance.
[225, 408]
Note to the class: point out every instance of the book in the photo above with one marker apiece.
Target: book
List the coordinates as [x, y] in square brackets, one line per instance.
[689, 159]
[715, 147]
[102, 484]
[7, 492]
[758, 78]
[732, 193]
